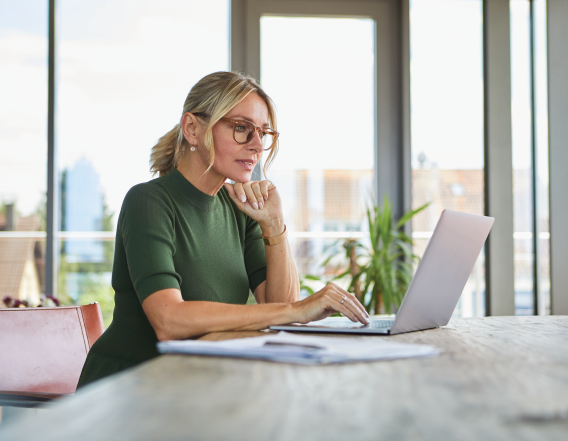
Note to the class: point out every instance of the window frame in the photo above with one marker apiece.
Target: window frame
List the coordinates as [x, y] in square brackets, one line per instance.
[392, 89]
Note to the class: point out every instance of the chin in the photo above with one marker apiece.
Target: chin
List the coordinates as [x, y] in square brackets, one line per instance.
[241, 177]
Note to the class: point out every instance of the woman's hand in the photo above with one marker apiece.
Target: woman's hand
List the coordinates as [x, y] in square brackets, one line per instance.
[259, 200]
[327, 301]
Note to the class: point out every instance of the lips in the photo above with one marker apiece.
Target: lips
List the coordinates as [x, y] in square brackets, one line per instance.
[248, 164]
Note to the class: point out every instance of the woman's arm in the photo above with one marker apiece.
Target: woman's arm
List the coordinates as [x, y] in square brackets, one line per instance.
[173, 318]
[282, 284]
[261, 201]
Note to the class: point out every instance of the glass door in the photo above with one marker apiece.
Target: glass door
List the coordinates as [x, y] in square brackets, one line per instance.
[332, 79]
[322, 80]
[447, 124]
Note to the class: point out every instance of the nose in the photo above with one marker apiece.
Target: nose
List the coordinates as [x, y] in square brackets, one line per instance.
[255, 143]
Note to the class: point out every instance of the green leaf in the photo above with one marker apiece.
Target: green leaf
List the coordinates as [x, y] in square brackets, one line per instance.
[308, 289]
[385, 263]
[341, 275]
[404, 219]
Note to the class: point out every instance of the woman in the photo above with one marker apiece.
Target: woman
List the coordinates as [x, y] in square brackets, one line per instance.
[189, 246]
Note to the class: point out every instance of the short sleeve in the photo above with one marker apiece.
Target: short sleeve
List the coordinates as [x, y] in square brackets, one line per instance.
[255, 255]
[147, 228]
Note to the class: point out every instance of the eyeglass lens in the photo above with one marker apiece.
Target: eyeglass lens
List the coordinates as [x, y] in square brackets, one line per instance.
[244, 132]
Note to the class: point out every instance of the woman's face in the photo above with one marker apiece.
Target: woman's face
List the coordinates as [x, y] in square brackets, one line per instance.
[233, 160]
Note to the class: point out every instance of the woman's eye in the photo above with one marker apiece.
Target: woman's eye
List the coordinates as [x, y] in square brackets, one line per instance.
[241, 127]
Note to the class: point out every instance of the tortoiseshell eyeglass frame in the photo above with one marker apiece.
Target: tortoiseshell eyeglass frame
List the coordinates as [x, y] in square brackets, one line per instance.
[261, 131]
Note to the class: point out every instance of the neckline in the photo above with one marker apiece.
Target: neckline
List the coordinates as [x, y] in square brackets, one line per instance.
[191, 193]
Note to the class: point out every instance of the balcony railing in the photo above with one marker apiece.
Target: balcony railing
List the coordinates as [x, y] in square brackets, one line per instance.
[110, 235]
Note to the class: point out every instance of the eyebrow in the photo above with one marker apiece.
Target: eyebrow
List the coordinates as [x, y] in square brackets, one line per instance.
[248, 119]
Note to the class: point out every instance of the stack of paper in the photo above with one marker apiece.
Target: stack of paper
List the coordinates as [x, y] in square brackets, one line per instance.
[301, 349]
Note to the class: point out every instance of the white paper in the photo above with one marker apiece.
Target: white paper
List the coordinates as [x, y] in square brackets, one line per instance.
[301, 349]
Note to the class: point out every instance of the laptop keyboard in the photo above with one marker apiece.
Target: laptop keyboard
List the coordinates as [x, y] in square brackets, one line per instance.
[379, 324]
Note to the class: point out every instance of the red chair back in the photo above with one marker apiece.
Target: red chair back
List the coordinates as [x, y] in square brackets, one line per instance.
[42, 350]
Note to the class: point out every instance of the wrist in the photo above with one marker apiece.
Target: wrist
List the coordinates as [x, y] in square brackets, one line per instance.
[272, 227]
[290, 313]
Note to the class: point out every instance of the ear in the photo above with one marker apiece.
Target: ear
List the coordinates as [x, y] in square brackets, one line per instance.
[190, 128]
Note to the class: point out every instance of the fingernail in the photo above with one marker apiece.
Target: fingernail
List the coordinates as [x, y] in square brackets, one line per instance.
[260, 205]
[243, 198]
[255, 205]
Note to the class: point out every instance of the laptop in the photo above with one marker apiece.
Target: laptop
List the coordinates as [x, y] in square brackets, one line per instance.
[436, 286]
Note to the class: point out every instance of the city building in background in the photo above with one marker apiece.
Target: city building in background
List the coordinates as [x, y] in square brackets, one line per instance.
[82, 210]
[23, 158]
[342, 209]
[323, 205]
[21, 258]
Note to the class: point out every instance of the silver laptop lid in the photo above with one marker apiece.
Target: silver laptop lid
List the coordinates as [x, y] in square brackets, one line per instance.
[443, 271]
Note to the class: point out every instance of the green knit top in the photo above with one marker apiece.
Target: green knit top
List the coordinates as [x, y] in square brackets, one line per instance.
[171, 235]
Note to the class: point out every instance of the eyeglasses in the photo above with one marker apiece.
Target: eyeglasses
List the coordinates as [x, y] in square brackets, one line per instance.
[243, 132]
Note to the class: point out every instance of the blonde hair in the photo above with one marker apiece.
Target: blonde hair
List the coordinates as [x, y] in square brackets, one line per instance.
[214, 96]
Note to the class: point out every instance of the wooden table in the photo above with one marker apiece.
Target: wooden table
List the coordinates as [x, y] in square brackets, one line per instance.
[499, 378]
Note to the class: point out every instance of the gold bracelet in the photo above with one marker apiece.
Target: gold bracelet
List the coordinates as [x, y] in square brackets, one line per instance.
[275, 240]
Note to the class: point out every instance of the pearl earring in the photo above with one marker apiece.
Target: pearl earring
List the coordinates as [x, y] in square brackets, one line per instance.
[192, 148]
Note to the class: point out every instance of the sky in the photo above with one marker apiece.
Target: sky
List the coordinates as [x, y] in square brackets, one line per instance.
[122, 81]
[23, 102]
[123, 77]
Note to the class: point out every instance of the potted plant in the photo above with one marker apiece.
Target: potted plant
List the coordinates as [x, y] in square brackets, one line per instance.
[382, 267]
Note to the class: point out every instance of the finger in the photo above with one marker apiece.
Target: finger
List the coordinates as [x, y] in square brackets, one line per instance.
[232, 193]
[351, 302]
[243, 206]
[361, 316]
[251, 197]
[343, 309]
[356, 303]
[338, 296]
[269, 187]
[264, 187]
[354, 299]
[258, 194]
[240, 192]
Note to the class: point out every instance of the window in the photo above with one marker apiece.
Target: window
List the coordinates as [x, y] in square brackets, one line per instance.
[23, 118]
[446, 74]
[125, 69]
[530, 156]
[321, 78]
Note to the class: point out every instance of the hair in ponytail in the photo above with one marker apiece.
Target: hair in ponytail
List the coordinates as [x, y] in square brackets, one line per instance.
[214, 95]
